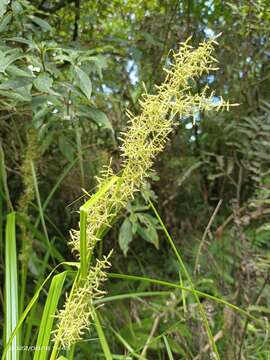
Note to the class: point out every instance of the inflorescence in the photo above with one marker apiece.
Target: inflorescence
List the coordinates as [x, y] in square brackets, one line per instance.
[144, 140]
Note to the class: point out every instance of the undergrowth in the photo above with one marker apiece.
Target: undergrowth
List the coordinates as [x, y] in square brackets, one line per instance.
[68, 327]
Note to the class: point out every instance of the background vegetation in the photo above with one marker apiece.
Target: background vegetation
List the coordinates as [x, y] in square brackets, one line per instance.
[69, 70]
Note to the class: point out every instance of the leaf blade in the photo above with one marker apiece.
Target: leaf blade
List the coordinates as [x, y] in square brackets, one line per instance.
[125, 235]
[83, 82]
[11, 287]
[48, 316]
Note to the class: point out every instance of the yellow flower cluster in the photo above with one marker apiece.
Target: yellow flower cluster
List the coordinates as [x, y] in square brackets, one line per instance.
[75, 317]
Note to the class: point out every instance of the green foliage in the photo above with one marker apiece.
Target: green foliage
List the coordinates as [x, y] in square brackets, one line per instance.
[139, 222]
[69, 70]
[46, 324]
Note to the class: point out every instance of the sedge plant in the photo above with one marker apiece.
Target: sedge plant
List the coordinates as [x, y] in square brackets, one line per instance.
[145, 138]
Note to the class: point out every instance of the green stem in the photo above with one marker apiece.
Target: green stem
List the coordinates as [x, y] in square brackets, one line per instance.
[192, 291]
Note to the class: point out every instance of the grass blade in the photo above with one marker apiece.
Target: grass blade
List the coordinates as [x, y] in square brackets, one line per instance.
[127, 346]
[183, 293]
[169, 351]
[28, 330]
[11, 287]
[135, 295]
[47, 320]
[192, 291]
[102, 338]
[30, 306]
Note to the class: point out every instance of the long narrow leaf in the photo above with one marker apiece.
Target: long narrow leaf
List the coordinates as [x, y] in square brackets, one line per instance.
[169, 351]
[135, 295]
[192, 291]
[30, 306]
[102, 338]
[47, 320]
[32, 315]
[11, 287]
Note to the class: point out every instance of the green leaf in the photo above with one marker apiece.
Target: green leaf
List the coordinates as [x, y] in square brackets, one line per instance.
[41, 23]
[48, 316]
[100, 63]
[149, 231]
[66, 148]
[43, 82]
[149, 234]
[15, 84]
[11, 287]
[83, 81]
[16, 7]
[39, 116]
[3, 6]
[134, 221]
[103, 341]
[149, 38]
[15, 71]
[22, 94]
[125, 235]
[30, 306]
[7, 58]
[100, 118]
[30, 43]
[5, 21]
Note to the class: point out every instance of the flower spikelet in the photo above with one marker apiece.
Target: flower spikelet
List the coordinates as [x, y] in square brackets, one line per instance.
[149, 131]
[78, 311]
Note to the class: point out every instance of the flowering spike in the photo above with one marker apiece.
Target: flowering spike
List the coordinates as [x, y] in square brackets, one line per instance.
[78, 311]
[145, 138]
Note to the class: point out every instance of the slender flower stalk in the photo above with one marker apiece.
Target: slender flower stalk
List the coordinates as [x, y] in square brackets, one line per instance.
[144, 140]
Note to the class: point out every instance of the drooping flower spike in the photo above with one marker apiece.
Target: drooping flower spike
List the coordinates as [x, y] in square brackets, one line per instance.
[144, 140]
